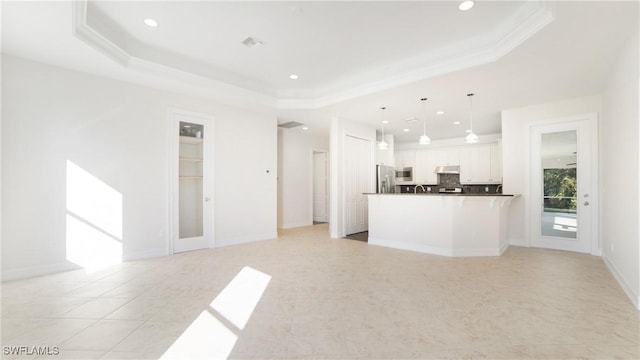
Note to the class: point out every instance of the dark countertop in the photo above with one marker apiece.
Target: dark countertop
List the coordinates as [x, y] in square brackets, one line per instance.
[441, 194]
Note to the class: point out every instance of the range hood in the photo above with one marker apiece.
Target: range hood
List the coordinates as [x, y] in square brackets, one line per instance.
[448, 169]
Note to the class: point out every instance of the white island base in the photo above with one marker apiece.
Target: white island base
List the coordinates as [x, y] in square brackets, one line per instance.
[449, 225]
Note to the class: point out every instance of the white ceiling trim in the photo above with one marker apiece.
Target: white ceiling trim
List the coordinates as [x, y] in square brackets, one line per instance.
[542, 17]
[537, 20]
[225, 92]
[93, 38]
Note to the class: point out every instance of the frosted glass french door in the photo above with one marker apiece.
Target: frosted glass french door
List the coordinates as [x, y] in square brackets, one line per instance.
[193, 179]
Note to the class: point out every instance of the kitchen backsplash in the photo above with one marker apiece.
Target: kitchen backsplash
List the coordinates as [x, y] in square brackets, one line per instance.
[453, 180]
[449, 180]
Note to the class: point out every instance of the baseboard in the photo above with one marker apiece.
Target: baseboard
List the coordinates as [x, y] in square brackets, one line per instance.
[145, 254]
[635, 298]
[411, 246]
[295, 225]
[518, 242]
[39, 270]
[442, 251]
[245, 239]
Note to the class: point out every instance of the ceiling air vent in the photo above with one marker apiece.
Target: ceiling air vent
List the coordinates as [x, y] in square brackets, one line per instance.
[250, 42]
[290, 124]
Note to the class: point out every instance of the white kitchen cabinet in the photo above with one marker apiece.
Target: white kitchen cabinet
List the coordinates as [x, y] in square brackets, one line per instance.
[496, 163]
[428, 160]
[406, 158]
[422, 169]
[480, 164]
[453, 156]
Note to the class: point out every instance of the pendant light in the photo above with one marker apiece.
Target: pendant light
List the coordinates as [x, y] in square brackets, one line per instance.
[382, 145]
[471, 137]
[424, 139]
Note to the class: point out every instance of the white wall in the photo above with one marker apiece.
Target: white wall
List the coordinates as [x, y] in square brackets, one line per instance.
[619, 175]
[341, 128]
[117, 132]
[386, 157]
[515, 151]
[295, 165]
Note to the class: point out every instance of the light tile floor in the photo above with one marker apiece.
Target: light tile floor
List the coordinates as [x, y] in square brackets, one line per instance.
[330, 298]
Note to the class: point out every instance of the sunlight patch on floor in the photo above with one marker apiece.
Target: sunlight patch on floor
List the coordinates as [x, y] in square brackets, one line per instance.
[239, 298]
[205, 338]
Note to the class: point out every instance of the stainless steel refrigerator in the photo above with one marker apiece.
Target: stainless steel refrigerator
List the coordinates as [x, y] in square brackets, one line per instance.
[385, 179]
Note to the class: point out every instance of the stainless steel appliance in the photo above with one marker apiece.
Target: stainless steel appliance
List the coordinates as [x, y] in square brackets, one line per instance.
[385, 179]
[404, 174]
[448, 169]
[451, 190]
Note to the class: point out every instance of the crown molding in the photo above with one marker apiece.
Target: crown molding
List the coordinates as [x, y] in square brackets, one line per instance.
[93, 38]
[535, 22]
[419, 68]
[179, 80]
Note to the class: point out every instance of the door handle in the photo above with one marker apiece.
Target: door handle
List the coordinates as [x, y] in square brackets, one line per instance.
[586, 203]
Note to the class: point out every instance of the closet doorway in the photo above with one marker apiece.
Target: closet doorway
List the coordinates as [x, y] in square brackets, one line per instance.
[320, 186]
[191, 181]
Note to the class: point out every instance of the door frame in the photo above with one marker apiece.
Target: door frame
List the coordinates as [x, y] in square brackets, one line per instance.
[173, 206]
[311, 178]
[531, 227]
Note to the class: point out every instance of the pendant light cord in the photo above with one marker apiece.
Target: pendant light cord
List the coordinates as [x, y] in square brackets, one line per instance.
[470, 112]
[424, 112]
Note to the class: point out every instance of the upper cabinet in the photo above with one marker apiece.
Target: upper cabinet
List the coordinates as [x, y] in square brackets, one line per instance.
[421, 173]
[428, 160]
[480, 164]
[405, 158]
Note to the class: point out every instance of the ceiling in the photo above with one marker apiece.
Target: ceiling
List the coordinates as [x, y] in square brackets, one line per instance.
[351, 57]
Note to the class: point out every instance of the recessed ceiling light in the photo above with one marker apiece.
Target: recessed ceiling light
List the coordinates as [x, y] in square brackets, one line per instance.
[440, 112]
[466, 5]
[385, 121]
[468, 130]
[412, 120]
[305, 128]
[456, 123]
[405, 130]
[151, 23]
[293, 77]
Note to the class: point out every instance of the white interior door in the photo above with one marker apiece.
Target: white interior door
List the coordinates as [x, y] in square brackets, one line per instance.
[562, 194]
[358, 171]
[192, 181]
[320, 187]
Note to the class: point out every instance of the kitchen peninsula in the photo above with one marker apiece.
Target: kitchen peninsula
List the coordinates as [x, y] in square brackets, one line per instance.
[449, 225]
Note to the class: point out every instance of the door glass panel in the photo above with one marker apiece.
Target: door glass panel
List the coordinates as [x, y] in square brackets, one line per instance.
[559, 172]
[190, 180]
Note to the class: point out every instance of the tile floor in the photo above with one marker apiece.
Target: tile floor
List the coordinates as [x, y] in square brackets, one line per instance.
[328, 298]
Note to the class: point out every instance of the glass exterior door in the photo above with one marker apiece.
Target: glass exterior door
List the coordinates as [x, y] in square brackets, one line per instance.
[562, 206]
[559, 181]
